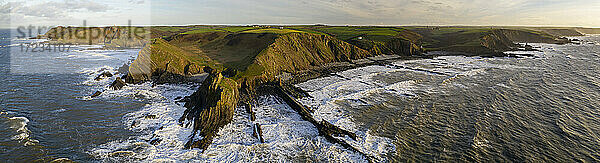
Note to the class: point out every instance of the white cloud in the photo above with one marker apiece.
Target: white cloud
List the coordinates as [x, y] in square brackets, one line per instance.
[362, 12]
[53, 9]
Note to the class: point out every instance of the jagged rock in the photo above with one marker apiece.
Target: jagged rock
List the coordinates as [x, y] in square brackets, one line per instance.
[258, 133]
[178, 98]
[123, 69]
[103, 75]
[210, 108]
[117, 84]
[155, 141]
[98, 93]
[150, 117]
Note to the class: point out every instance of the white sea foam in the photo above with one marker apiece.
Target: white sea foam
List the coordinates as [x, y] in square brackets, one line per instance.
[286, 135]
[22, 133]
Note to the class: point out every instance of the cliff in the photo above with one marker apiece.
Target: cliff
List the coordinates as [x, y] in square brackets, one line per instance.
[559, 32]
[481, 41]
[530, 36]
[397, 46]
[302, 51]
[588, 30]
[162, 62]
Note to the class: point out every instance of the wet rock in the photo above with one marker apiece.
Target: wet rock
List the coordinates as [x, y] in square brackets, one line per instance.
[117, 84]
[98, 93]
[123, 69]
[103, 75]
[134, 123]
[102, 69]
[257, 132]
[178, 98]
[150, 117]
[184, 99]
[250, 111]
[155, 141]
[61, 160]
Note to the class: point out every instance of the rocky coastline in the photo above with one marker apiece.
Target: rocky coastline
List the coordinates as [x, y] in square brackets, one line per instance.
[288, 59]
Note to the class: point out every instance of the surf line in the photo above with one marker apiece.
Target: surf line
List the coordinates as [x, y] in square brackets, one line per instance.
[326, 129]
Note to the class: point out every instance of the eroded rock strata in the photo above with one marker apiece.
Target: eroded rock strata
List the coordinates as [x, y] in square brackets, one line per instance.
[210, 108]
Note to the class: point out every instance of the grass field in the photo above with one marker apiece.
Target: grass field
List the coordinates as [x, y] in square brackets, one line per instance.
[273, 31]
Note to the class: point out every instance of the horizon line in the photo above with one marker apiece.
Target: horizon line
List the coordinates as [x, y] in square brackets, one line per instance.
[316, 24]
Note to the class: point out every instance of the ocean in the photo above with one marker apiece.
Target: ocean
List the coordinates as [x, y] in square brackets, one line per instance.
[544, 107]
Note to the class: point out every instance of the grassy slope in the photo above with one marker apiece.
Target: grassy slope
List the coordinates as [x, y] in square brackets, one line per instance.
[302, 51]
[159, 56]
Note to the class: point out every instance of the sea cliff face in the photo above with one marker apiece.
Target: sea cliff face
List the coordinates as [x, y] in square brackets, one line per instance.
[530, 36]
[164, 63]
[396, 46]
[302, 51]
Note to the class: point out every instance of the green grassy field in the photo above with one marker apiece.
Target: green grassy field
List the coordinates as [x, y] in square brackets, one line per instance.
[273, 31]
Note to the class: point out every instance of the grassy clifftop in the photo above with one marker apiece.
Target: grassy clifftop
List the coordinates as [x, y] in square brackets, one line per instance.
[164, 62]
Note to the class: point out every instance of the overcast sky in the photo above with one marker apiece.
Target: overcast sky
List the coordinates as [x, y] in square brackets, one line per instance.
[338, 12]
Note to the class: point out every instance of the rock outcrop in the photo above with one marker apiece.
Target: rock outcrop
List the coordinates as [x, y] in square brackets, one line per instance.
[118, 84]
[210, 108]
[96, 94]
[103, 75]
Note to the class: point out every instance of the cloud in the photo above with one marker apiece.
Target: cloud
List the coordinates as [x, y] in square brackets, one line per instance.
[136, 1]
[338, 12]
[54, 9]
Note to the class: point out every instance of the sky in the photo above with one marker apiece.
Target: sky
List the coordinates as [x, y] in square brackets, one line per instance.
[585, 13]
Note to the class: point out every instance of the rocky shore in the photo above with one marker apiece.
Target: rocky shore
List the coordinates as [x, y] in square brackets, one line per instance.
[278, 61]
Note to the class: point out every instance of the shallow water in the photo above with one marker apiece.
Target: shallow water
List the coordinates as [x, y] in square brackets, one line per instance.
[542, 108]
